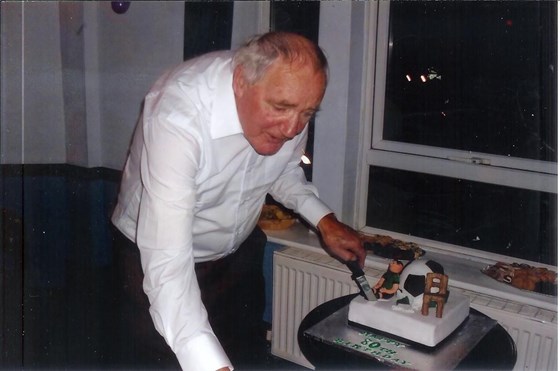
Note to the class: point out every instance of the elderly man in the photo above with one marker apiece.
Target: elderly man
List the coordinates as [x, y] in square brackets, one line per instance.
[217, 134]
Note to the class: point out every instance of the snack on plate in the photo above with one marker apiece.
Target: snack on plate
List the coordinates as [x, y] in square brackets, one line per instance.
[388, 247]
[273, 217]
[524, 276]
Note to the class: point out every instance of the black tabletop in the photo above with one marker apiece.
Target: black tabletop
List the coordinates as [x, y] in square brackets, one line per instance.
[496, 350]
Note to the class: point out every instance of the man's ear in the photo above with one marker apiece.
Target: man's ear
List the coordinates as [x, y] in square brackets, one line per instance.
[239, 81]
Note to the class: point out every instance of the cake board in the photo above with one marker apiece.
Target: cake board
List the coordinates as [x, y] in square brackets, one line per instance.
[335, 331]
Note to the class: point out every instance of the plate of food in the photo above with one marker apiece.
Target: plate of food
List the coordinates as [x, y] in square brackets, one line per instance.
[391, 248]
[275, 217]
[524, 277]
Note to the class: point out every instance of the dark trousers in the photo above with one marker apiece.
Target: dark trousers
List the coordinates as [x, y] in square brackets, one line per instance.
[232, 292]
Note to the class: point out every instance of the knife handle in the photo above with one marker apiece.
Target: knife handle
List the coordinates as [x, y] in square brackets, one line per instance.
[355, 268]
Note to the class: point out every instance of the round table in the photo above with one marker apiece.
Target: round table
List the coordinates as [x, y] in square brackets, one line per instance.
[496, 350]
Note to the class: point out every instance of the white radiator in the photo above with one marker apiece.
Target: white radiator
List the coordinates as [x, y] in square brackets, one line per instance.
[534, 330]
[304, 279]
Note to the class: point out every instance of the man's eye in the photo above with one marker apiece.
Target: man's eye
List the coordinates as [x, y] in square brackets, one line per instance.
[280, 109]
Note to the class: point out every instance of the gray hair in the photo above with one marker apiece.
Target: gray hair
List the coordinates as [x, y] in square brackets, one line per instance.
[263, 50]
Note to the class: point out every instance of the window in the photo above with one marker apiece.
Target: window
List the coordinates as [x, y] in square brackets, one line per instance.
[463, 146]
[207, 27]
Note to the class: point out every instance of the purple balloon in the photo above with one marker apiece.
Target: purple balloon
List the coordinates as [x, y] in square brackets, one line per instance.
[120, 7]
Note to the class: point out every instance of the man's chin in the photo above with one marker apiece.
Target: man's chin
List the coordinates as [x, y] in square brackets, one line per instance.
[267, 150]
[266, 146]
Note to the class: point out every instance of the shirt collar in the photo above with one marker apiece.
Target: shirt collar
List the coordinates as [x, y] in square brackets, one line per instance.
[224, 120]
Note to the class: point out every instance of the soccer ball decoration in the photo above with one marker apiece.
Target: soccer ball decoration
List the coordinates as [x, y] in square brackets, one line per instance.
[413, 282]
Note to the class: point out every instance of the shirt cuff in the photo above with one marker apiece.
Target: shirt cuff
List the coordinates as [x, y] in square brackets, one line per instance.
[203, 353]
[313, 210]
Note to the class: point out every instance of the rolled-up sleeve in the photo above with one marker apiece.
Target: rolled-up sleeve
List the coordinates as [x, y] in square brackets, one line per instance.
[169, 163]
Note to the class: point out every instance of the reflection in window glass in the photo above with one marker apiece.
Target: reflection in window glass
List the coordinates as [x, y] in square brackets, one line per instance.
[499, 219]
[473, 75]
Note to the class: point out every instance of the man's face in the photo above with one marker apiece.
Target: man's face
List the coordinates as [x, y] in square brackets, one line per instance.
[278, 106]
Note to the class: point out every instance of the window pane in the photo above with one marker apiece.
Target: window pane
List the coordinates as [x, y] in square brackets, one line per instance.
[207, 27]
[473, 75]
[499, 219]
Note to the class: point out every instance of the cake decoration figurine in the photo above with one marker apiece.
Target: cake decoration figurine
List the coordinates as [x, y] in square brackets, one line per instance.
[389, 282]
[435, 293]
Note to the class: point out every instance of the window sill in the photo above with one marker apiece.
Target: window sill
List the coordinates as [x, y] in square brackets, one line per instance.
[463, 272]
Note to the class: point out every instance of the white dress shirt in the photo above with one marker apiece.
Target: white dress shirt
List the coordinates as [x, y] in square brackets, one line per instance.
[192, 191]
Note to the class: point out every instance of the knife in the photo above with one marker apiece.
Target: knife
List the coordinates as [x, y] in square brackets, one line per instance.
[358, 275]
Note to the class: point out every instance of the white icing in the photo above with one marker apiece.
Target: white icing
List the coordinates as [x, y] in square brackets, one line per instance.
[408, 324]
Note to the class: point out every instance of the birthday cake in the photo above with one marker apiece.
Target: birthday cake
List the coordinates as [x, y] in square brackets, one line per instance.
[406, 315]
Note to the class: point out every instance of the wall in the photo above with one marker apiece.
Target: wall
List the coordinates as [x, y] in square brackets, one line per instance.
[79, 71]
[134, 49]
[32, 114]
[79, 65]
[249, 18]
[338, 123]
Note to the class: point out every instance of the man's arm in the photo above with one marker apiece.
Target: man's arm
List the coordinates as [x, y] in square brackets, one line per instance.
[378, 284]
[294, 192]
[169, 163]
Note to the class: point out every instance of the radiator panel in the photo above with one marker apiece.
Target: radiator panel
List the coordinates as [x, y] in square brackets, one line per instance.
[304, 279]
[536, 341]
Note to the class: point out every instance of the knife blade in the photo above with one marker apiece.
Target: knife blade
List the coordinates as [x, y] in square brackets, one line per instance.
[359, 276]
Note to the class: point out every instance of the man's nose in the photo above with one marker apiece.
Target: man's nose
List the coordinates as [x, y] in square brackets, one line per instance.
[291, 127]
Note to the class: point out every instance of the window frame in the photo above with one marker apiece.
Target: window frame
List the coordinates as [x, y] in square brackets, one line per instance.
[375, 151]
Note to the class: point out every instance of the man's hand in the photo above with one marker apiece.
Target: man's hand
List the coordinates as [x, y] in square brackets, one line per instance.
[341, 241]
